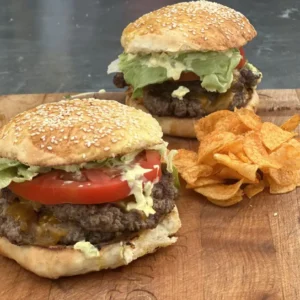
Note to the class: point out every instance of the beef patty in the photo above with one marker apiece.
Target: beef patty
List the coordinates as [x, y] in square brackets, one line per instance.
[157, 98]
[25, 223]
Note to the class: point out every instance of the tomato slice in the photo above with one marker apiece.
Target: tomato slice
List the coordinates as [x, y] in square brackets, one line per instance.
[94, 186]
[243, 59]
[188, 76]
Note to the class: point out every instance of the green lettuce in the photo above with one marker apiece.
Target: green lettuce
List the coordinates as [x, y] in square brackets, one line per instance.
[176, 177]
[215, 69]
[14, 171]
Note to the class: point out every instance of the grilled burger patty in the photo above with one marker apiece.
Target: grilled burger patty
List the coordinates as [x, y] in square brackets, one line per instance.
[157, 98]
[28, 223]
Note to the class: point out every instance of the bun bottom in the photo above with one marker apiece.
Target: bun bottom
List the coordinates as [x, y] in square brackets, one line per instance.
[184, 127]
[55, 262]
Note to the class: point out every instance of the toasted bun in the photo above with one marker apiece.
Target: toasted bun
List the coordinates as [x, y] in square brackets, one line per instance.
[188, 26]
[56, 262]
[76, 131]
[184, 127]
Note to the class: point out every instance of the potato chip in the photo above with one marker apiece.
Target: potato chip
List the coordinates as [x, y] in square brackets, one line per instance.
[295, 143]
[291, 124]
[273, 136]
[266, 180]
[288, 155]
[257, 153]
[231, 123]
[283, 176]
[191, 174]
[234, 146]
[249, 118]
[217, 168]
[238, 197]
[246, 170]
[227, 173]
[252, 190]
[279, 189]
[213, 142]
[298, 178]
[203, 181]
[219, 191]
[185, 159]
[207, 124]
[243, 157]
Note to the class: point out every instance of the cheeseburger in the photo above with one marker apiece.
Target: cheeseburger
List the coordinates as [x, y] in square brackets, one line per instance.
[185, 61]
[83, 187]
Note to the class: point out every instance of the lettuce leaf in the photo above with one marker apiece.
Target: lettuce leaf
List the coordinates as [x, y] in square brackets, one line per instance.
[17, 173]
[176, 177]
[215, 69]
[12, 170]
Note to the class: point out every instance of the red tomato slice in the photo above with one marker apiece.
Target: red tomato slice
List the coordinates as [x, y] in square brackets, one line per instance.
[99, 185]
[243, 59]
[188, 76]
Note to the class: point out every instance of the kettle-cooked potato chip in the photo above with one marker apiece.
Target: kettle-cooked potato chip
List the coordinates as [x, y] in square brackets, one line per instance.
[288, 155]
[185, 159]
[220, 191]
[249, 118]
[207, 124]
[231, 123]
[227, 173]
[246, 170]
[203, 181]
[291, 124]
[283, 176]
[243, 157]
[273, 136]
[213, 142]
[191, 174]
[238, 197]
[257, 153]
[252, 190]
[235, 146]
[276, 188]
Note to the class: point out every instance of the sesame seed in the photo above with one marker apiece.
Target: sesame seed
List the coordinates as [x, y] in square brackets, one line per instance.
[109, 121]
[214, 14]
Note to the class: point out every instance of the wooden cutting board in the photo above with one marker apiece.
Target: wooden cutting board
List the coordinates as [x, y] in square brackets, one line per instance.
[248, 251]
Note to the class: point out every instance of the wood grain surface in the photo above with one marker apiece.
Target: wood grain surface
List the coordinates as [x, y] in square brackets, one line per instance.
[248, 251]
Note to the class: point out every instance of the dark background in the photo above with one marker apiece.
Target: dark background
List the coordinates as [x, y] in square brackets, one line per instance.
[65, 45]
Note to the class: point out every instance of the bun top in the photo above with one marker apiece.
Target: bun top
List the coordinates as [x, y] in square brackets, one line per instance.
[188, 26]
[77, 131]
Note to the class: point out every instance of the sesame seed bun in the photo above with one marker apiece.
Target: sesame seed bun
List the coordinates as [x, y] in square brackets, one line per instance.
[58, 261]
[77, 131]
[188, 26]
[184, 127]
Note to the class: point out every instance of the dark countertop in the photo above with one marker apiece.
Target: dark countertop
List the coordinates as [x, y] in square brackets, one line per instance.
[60, 46]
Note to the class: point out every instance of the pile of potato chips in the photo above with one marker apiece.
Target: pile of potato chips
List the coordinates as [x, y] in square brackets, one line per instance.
[239, 154]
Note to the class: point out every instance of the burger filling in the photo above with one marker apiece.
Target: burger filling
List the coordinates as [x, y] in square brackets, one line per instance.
[97, 202]
[189, 84]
